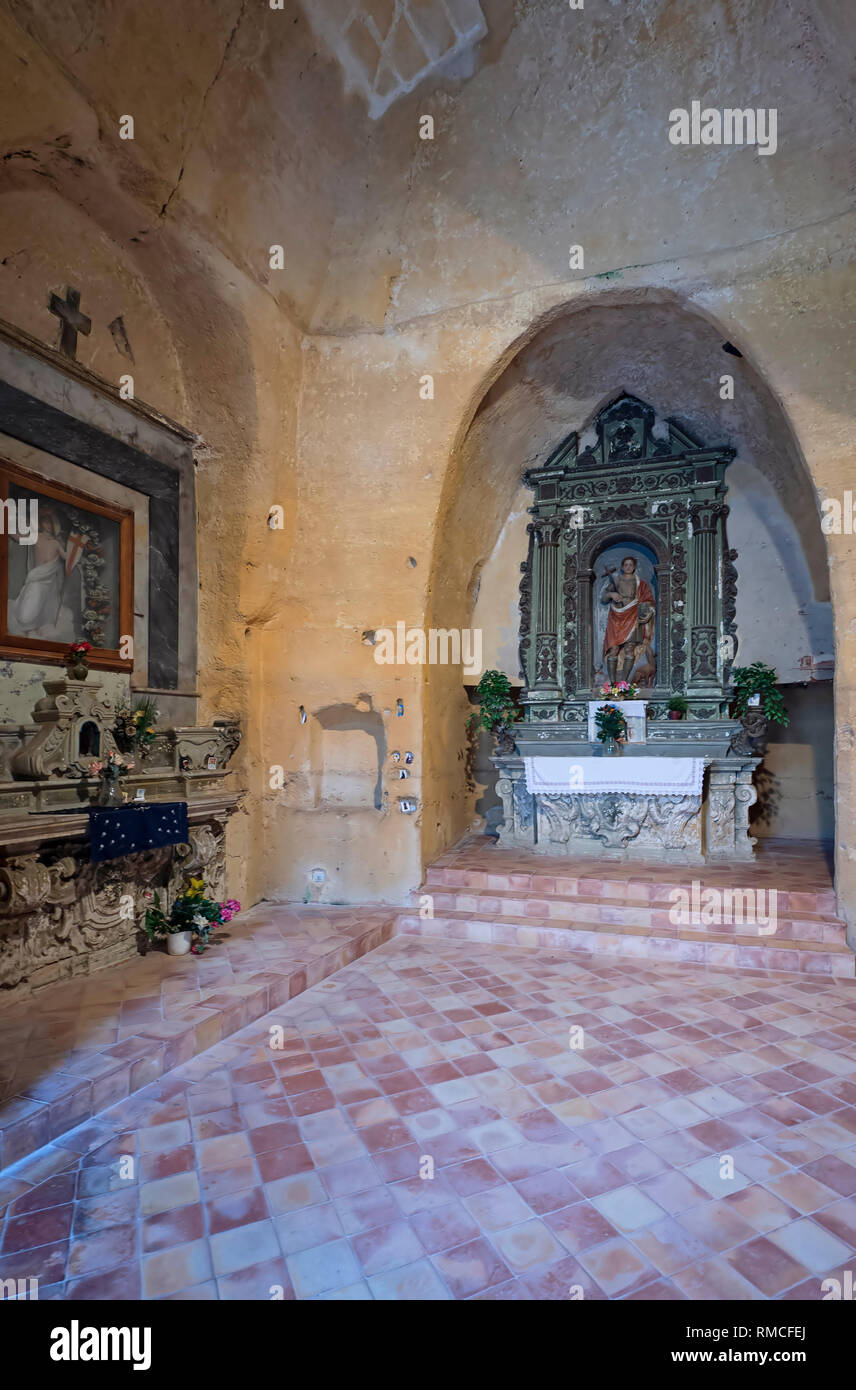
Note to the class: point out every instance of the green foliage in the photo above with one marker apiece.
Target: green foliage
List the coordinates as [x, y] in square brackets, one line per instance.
[610, 723]
[759, 679]
[497, 709]
[679, 703]
[191, 911]
[136, 727]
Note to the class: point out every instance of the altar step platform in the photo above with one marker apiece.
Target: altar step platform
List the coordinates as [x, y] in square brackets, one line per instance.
[481, 892]
[77, 1047]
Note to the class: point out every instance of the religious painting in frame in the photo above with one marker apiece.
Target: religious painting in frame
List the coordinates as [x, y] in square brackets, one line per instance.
[66, 572]
[629, 566]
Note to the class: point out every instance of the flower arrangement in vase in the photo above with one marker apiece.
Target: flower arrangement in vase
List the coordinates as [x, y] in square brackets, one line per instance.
[611, 727]
[110, 770]
[191, 919]
[76, 663]
[619, 690]
[136, 727]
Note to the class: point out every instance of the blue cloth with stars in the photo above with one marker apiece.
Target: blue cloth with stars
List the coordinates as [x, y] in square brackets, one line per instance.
[114, 831]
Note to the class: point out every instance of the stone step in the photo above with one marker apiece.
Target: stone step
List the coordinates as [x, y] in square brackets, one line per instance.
[258, 966]
[632, 890]
[697, 946]
[561, 910]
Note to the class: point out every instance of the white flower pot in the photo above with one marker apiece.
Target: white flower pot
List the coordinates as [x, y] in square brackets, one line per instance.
[178, 943]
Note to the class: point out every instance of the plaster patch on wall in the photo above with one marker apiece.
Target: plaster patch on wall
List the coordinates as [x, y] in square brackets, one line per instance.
[363, 718]
[386, 47]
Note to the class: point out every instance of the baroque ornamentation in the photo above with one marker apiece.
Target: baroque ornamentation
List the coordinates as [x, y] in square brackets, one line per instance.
[616, 821]
[54, 749]
[525, 606]
[64, 916]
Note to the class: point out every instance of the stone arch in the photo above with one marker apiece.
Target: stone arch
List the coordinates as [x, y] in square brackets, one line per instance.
[554, 375]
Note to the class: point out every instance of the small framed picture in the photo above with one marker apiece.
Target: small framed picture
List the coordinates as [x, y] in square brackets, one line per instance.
[211, 763]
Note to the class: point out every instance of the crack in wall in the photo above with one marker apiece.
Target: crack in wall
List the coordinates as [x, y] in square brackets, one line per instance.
[208, 90]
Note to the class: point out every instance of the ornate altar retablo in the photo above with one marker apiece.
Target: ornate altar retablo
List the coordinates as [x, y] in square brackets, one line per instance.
[629, 577]
[61, 912]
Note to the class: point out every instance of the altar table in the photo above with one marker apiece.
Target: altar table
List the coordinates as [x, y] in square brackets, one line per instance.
[633, 776]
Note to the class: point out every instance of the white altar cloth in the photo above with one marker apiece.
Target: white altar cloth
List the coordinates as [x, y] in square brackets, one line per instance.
[633, 776]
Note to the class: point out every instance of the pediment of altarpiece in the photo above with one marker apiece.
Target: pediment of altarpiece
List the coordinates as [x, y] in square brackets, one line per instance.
[628, 436]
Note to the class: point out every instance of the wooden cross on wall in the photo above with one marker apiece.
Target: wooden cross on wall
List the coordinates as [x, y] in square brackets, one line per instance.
[73, 321]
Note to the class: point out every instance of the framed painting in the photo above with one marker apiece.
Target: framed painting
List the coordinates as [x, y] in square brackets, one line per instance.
[66, 572]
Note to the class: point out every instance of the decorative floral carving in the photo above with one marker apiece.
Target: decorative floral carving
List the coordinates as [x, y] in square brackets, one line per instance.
[525, 618]
[62, 915]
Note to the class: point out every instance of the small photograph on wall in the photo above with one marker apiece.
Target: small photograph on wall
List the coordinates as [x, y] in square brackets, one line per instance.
[66, 572]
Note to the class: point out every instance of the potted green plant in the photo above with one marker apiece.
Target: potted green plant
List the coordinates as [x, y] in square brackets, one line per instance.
[190, 921]
[678, 706]
[611, 727]
[497, 710]
[758, 680]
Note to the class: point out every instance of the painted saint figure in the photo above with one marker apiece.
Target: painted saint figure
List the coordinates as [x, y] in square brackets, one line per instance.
[627, 644]
[42, 605]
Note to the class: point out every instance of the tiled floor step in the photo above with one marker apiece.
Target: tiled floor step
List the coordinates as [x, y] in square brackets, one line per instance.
[799, 870]
[625, 913]
[629, 889]
[699, 947]
[80, 1046]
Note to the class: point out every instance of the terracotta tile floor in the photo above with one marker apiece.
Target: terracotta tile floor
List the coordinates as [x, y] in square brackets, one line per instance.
[72, 1049]
[699, 1144]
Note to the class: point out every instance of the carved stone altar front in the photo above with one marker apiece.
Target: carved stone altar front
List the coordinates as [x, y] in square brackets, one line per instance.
[60, 914]
[713, 826]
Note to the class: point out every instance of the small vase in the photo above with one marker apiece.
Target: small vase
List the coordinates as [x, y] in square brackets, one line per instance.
[178, 943]
[610, 746]
[108, 794]
[77, 671]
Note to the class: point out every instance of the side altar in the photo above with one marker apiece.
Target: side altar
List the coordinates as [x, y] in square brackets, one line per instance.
[629, 577]
[61, 913]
